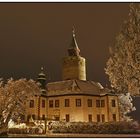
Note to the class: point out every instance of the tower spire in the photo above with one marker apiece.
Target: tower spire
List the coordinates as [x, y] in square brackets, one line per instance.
[73, 49]
[73, 31]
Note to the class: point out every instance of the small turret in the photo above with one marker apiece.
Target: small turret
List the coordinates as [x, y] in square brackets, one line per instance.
[42, 79]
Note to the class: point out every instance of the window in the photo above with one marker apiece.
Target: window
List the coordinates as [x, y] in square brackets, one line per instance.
[98, 118]
[78, 102]
[43, 117]
[102, 103]
[67, 117]
[113, 103]
[103, 118]
[50, 103]
[56, 103]
[97, 103]
[90, 118]
[89, 101]
[67, 102]
[43, 103]
[31, 103]
[33, 116]
[114, 117]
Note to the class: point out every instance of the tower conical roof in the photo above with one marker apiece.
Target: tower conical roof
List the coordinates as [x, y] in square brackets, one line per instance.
[73, 49]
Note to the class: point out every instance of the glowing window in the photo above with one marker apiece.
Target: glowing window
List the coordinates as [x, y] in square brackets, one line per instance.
[50, 103]
[31, 103]
[89, 101]
[56, 103]
[102, 103]
[67, 102]
[78, 102]
[97, 103]
[43, 103]
[113, 103]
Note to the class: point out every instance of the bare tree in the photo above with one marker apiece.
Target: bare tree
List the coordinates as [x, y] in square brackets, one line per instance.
[13, 97]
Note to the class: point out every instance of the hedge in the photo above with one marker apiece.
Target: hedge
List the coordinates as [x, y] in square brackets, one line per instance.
[95, 128]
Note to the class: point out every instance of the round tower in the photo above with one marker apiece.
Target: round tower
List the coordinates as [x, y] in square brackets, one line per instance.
[42, 79]
[74, 66]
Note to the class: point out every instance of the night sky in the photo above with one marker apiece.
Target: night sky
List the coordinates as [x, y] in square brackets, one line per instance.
[38, 34]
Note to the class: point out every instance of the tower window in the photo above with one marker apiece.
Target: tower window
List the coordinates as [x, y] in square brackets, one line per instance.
[90, 118]
[50, 103]
[98, 118]
[102, 103]
[113, 103]
[67, 102]
[89, 101]
[56, 103]
[78, 102]
[97, 103]
[43, 103]
[31, 103]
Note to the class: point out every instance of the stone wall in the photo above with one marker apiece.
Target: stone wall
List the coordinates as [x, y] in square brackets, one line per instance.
[74, 68]
[81, 113]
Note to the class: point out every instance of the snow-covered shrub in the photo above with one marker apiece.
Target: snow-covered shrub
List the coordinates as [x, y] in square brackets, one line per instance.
[126, 106]
[95, 128]
[30, 130]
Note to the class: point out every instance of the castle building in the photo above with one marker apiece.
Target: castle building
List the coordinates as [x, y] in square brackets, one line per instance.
[74, 99]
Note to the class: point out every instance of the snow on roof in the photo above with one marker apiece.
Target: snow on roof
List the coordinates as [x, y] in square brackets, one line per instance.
[75, 87]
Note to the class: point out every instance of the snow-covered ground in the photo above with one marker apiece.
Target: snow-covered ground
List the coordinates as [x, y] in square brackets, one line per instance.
[50, 135]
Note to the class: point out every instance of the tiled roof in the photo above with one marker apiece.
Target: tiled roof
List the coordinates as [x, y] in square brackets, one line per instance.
[75, 87]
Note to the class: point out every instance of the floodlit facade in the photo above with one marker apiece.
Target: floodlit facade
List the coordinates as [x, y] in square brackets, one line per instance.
[74, 99]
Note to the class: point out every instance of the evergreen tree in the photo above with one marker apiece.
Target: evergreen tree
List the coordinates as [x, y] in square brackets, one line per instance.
[123, 66]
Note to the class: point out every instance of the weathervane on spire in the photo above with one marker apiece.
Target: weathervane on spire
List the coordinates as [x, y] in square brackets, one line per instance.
[73, 31]
[42, 68]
